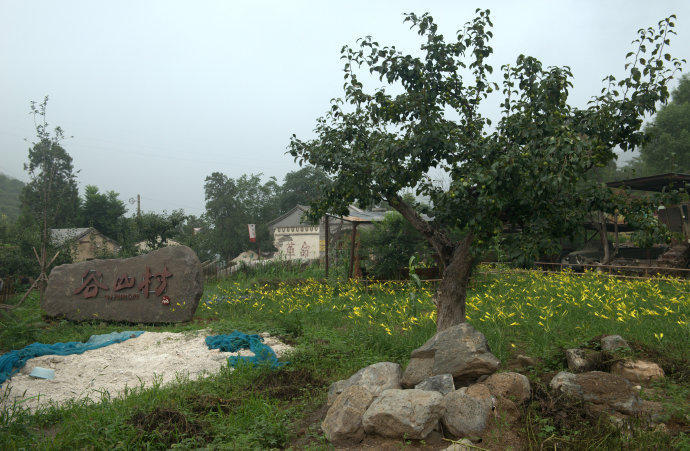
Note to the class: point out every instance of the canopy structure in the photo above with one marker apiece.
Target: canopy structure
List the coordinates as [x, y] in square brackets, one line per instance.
[675, 217]
[655, 183]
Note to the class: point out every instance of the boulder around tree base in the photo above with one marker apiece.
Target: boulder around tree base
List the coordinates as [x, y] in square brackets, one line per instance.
[159, 287]
[404, 413]
[376, 378]
[597, 387]
[460, 351]
[343, 422]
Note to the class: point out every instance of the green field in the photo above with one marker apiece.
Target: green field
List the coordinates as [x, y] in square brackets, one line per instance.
[338, 328]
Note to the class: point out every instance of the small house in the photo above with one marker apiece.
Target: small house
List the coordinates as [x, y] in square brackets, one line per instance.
[297, 239]
[84, 243]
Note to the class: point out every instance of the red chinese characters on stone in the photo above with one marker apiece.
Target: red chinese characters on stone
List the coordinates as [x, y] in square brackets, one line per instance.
[91, 283]
[124, 281]
[162, 281]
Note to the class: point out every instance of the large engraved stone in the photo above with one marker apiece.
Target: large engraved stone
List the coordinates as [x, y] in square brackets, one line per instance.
[161, 286]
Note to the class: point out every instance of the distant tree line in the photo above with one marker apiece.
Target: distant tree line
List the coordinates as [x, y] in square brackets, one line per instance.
[52, 197]
[666, 146]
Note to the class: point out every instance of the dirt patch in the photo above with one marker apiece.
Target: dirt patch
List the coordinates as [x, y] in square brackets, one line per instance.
[207, 403]
[434, 441]
[287, 384]
[557, 410]
[307, 431]
[168, 426]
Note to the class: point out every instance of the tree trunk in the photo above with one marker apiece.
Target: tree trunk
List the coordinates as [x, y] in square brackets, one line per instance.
[452, 291]
[603, 235]
[438, 240]
[456, 263]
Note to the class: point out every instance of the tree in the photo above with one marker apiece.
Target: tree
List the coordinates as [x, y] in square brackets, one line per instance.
[231, 204]
[195, 232]
[301, 187]
[527, 175]
[52, 190]
[668, 149]
[390, 244]
[157, 228]
[103, 211]
[51, 196]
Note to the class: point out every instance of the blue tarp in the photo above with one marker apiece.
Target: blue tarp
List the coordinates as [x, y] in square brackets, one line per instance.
[235, 341]
[13, 361]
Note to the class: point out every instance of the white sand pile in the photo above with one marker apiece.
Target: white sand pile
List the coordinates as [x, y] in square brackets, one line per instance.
[161, 356]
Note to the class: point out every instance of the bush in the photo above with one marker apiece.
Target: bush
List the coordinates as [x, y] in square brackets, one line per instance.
[388, 246]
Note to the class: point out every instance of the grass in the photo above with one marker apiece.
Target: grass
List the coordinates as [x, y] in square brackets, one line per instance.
[337, 328]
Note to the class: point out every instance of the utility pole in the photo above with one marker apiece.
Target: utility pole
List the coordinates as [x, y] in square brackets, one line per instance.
[327, 233]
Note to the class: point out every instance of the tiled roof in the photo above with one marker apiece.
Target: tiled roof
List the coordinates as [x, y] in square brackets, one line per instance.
[61, 236]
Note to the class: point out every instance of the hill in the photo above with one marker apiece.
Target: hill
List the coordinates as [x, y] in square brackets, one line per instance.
[10, 188]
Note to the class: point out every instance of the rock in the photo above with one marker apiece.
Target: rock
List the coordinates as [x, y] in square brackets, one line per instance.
[581, 360]
[465, 415]
[611, 343]
[526, 361]
[509, 385]
[565, 382]
[638, 370]
[481, 393]
[505, 410]
[459, 350]
[336, 389]
[599, 388]
[376, 378]
[416, 371]
[343, 421]
[443, 383]
[159, 287]
[461, 445]
[411, 414]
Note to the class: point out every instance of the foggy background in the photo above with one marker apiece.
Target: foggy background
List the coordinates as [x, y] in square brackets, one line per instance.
[159, 94]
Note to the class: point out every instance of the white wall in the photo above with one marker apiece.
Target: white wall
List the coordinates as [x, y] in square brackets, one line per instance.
[297, 243]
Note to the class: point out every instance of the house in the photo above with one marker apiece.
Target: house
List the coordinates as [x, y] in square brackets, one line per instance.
[297, 239]
[84, 243]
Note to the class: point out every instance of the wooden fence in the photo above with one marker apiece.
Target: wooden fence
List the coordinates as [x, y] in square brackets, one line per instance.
[7, 290]
[622, 271]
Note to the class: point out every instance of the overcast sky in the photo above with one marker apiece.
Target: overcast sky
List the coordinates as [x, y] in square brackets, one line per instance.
[159, 94]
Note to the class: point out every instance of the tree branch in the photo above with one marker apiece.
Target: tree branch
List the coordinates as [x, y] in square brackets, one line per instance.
[436, 238]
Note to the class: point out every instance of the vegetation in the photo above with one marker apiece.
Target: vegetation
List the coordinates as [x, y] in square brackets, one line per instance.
[51, 196]
[10, 190]
[337, 328]
[103, 211]
[387, 247]
[668, 146]
[526, 175]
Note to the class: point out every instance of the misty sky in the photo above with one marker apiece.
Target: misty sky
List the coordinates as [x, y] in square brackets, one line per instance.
[159, 94]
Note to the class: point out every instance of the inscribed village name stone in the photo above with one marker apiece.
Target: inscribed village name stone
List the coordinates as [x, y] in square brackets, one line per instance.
[161, 286]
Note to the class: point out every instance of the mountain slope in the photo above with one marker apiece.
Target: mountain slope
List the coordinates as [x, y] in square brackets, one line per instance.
[10, 188]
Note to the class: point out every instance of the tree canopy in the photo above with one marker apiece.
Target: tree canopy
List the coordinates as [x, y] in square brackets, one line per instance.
[668, 149]
[52, 191]
[301, 187]
[103, 211]
[526, 174]
[231, 204]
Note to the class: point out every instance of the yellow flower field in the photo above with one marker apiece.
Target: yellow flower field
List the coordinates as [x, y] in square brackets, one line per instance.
[527, 309]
